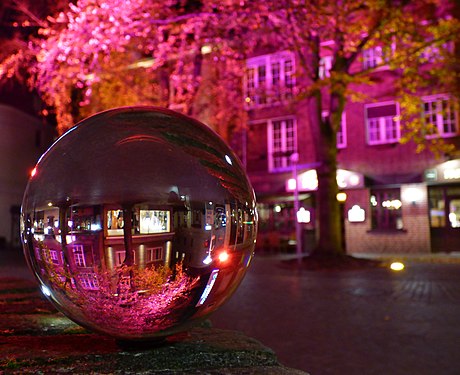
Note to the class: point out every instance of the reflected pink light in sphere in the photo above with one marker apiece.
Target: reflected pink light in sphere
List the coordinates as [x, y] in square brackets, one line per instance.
[139, 222]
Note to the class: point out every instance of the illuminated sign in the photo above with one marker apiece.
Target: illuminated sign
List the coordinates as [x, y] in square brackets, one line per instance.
[356, 214]
[452, 174]
[448, 171]
[308, 180]
[303, 215]
[413, 194]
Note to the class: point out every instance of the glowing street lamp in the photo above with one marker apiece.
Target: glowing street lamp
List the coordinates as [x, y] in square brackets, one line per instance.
[298, 229]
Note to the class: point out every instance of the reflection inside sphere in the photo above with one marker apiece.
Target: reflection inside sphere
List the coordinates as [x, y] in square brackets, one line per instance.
[139, 222]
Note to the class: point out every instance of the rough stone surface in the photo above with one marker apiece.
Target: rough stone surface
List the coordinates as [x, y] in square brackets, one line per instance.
[35, 338]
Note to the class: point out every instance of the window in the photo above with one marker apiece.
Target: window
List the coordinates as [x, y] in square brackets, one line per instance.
[88, 281]
[439, 116]
[382, 121]
[53, 256]
[282, 143]
[154, 221]
[325, 66]
[120, 256]
[144, 222]
[269, 79]
[341, 131]
[154, 254]
[444, 203]
[386, 209]
[79, 256]
[372, 57]
[115, 222]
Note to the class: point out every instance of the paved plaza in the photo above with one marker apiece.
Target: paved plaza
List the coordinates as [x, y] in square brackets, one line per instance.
[327, 322]
[353, 322]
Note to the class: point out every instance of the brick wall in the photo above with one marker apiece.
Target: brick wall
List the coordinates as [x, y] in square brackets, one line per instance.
[415, 236]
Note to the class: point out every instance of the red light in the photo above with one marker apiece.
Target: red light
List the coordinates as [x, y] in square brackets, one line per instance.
[33, 172]
[223, 256]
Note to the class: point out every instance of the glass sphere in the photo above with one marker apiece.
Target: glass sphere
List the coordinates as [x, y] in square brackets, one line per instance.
[138, 222]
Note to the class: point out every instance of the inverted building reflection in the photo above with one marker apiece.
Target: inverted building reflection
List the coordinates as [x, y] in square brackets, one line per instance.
[164, 263]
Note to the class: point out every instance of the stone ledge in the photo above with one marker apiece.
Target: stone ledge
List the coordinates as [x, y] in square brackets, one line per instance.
[35, 338]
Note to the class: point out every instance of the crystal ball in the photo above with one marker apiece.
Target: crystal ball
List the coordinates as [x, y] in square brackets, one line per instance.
[138, 222]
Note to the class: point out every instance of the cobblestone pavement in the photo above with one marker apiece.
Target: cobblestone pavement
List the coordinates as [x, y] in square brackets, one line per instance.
[368, 321]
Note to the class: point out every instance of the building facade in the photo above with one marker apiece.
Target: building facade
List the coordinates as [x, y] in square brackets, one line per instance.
[23, 139]
[397, 200]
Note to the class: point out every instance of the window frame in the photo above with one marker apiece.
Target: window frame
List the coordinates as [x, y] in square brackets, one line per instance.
[285, 159]
[79, 255]
[440, 117]
[386, 218]
[325, 66]
[372, 57]
[88, 281]
[382, 125]
[379, 55]
[264, 91]
[154, 254]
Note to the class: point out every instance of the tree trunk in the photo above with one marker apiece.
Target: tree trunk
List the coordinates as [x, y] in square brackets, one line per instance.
[330, 233]
[69, 265]
[329, 218]
[127, 235]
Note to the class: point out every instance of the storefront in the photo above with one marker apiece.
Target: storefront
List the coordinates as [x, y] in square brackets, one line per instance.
[444, 206]
[151, 235]
[278, 215]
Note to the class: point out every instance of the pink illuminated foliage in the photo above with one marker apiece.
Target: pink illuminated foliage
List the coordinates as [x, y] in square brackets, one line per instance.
[156, 297]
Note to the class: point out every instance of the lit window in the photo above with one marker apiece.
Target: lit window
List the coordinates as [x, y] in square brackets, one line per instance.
[269, 79]
[154, 221]
[382, 121]
[444, 204]
[439, 116]
[282, 143]
[386, 209]
[115, 222]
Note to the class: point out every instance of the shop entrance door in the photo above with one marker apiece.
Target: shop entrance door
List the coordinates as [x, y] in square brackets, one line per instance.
[445, 237]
